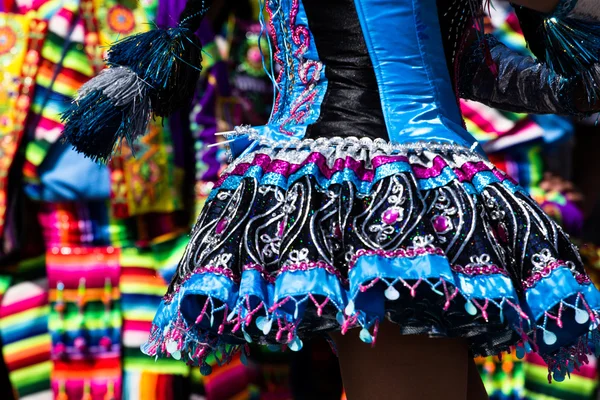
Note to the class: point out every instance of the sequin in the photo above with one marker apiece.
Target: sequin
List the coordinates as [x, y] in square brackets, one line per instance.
[303, 222]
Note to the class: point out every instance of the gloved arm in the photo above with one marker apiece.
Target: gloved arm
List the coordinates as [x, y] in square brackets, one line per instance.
[582, 9]
[538, 5]
[521, 84]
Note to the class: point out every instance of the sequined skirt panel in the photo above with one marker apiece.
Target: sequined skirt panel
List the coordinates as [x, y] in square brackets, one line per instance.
[298, 242]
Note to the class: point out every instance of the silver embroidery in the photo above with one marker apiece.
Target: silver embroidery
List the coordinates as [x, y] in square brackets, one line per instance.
[541, 260]
[442, 219]
[422, 242]
[221, 260]
[298, 256]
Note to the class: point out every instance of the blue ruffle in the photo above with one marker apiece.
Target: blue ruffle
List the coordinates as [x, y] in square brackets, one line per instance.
[351, 304]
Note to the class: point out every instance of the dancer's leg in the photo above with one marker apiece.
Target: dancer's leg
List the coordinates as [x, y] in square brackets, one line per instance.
[404, 367]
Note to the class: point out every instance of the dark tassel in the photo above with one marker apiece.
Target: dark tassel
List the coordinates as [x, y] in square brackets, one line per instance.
[167, 60]
[155, 72]
[570, 47]
[111, 107]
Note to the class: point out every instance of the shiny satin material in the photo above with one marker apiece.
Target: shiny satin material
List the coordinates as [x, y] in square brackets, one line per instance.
[351, 106]
[522, 85]
[556, 288]
[405, 89]
[405, 45]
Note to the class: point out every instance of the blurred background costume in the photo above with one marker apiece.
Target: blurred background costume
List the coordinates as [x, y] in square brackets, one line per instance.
[88, 250]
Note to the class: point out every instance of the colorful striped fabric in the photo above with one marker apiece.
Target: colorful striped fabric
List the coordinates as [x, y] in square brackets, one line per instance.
[77, 234]
[85, 320]
[142, 286]
[146, 268]
[73, 223]
[85, 314]
[64, 67]
[504, 378]
[230, 381]
[76, 334]
[139, 267]
[499, 130]
[24, 313]
[524, 163]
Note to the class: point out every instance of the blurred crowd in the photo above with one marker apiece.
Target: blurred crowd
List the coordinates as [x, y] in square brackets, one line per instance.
[87, 251]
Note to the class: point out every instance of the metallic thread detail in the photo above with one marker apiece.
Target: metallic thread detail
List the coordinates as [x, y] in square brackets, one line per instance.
[350, 143]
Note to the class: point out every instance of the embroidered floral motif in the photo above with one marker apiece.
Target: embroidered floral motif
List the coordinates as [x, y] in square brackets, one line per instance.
[442, 219]
[221, 260]
[479, 265]
[298, 257]
[8, 39]
[544, 263]
[393, 213]
[423, 242]
[297, 72]
[271, 244]
[121, 19]
[497, 215]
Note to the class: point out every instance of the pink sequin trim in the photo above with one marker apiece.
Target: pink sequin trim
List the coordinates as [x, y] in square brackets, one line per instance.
[169, 296]
[211, 269]
[547, 270]
[583, 279]
[473, 270]
[305, 266]
[265, 274]
[400, 253]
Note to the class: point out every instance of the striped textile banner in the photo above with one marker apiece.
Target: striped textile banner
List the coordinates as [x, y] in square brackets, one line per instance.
[24, 312]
